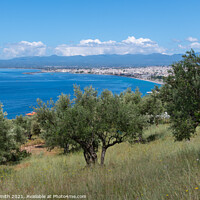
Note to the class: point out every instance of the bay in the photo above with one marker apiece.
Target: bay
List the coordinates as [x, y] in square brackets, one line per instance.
[19, 91]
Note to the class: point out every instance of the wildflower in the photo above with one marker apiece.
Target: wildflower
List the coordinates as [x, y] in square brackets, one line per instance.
[186, 190]
[196, 188]
[167, 195]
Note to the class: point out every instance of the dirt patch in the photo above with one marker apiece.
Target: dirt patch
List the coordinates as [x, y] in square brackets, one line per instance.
[33, 142]
[21, 166]
[36, 150]
[41, 149]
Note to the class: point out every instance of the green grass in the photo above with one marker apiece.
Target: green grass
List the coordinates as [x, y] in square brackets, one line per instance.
[160, 169]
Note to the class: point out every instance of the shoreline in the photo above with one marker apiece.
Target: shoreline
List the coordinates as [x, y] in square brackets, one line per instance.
[157, 82]
[44, 71]
[60, 71]
[161, 83]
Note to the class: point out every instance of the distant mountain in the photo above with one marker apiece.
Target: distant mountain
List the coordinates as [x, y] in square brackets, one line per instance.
[129, 60]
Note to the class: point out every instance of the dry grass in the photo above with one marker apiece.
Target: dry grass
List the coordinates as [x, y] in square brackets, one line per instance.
[34, 141]
[160, 169]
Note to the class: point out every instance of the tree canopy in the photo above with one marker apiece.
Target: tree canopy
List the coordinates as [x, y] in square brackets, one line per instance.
[181, 93]
[11, 137]
[89, 121]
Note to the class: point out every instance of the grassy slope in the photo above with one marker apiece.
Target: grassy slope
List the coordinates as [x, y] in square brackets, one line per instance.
[161, 169]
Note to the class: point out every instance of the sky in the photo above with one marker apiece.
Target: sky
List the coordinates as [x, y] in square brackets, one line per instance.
[92, 27]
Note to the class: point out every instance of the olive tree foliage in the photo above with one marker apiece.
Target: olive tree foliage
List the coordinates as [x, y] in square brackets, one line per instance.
[35, 128]
[119, 119]
[84, 127]
[24, 123]
[90, 121]
[70, 123]
[152, 106]
[51, 118]
[11, 137]
[181, 93]
[28, 124]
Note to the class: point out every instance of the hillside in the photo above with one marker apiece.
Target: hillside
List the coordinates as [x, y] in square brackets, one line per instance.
[159, 169]
[93, 61]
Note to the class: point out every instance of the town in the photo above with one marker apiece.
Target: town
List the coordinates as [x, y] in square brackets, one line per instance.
[151, 73]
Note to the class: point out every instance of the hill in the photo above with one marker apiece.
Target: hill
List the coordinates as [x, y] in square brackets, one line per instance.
[128, 60]
[159, 169]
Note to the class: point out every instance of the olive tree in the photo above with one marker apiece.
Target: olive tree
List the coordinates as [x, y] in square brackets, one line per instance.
[11, 137]
[25, 124]
[71, 122]
[50, 117]
[119, 119]
[181, 93]
[90, 121]
[152, 106]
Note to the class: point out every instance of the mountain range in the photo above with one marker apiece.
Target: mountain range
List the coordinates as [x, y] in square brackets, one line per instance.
[128, 60]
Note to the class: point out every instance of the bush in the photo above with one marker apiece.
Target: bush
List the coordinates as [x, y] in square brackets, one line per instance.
[11, 137]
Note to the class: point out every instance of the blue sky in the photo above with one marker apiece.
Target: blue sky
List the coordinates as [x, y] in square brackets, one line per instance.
[90, 27]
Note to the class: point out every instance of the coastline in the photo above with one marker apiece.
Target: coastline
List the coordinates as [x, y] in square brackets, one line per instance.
[140, 73]
[59, 71]
[161, 83]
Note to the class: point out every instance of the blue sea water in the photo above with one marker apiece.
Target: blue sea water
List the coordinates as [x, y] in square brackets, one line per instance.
[19, 92]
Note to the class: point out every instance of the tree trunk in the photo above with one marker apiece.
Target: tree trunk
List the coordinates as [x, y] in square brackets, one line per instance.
[29, 136]
[103, 153]
[66, 148]
[87, 157]
[90, 155]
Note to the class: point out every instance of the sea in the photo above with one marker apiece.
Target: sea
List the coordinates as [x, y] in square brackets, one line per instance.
[19, 92]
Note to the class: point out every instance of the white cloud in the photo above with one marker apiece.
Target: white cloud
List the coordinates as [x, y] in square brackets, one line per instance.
[191, 39]
[131, 45]
[140, 41]
[182, 47]
[90, 41]
[95, 47]
[193, 45]
[24, 48]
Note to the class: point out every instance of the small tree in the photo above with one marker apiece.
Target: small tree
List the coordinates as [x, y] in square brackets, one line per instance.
[25, 124]
[50, 117]
[152, 106]
[71, 123]
[90, 120]
[11, 137]
[181, 93]
[119, 119]
[35, 128]
[84, 122]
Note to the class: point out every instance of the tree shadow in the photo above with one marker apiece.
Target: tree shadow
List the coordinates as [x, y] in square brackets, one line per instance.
[152, 137]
